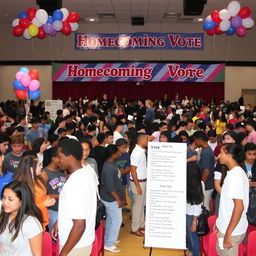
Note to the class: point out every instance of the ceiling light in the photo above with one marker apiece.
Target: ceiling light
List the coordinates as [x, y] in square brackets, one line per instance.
[91, 19]
[200, 19]
[106, 15]
[172, 15]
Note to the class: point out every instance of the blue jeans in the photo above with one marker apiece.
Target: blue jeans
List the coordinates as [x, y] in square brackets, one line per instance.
[113, 222]
[193, 239]
[53, 218]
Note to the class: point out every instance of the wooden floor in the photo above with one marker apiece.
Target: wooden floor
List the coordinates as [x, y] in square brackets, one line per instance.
[131, 245]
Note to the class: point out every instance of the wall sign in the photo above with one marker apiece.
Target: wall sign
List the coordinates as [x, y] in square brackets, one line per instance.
[142, 40]
[157, 72]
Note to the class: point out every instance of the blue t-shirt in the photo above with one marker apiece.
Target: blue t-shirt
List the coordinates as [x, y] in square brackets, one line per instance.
[4, 180]
[122, 162]
[207, 161]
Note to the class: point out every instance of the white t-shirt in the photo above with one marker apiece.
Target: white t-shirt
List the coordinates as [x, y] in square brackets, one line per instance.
[193, 209]
[20, 246]
[235, 186]
[138, 159]
[212, 145]
[78, 201]
[117, 136]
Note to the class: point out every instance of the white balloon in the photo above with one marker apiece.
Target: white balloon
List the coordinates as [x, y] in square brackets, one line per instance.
[36, 22]
[224, 25]
[65, 13]
[74, 26]
[209, 17]
[26, 35]
[234, 8]
[224, 14]
[248, 22]
[15, 22]
[42, 16]
[57, 25]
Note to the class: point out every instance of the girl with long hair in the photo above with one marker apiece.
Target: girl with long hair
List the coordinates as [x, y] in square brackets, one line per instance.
[29, 171]
[232, 222]
[195, 199]
[5, 175]
[20, 222]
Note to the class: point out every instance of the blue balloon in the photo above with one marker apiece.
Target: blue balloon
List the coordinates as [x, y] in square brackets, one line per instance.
[34, 95]
[231, 30]
[58, 15]
[17, 85]
[22, 15]
[209, 25]
[24, 70]
[50, 19]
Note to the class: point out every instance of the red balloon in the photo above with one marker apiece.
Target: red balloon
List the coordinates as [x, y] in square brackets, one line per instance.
[41, 33]
[244, 12]
[215, 16]
[66, 28]
[73, 17]
[24, 22]
[31, 13]
[217, 30]
[34, 75]
[18, 30]
[211, 32]
[21, 94]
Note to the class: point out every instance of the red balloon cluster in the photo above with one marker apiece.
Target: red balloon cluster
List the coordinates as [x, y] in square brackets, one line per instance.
[37, 23]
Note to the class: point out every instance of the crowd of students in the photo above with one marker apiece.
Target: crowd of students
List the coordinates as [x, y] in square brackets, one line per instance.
[52, 170]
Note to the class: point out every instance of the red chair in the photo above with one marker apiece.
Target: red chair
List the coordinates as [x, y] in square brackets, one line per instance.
[98, 245]
[47, 244]
[205, 239]
[251, 244]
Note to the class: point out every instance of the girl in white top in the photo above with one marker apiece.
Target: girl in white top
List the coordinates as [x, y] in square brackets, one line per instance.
[21, 231]
[232, 221]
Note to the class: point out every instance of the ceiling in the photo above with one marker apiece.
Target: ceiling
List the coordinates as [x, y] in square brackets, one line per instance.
[152, 10]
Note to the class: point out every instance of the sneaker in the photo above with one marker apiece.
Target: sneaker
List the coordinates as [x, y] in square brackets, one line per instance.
[111, 248]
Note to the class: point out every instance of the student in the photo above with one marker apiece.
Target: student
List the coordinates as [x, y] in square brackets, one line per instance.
[206, 164]
[4, 142]
[182, 126]
[99, 152]
[124, 164]
[5, 176]
[138, 184]
[165, 137]
[156, 135]
[119, 128]
[219, 124]
[109, 138]
[250, 127]
[232, 221]
[249, 162]
[55, 179]
[87, 147]
[13, 158]
[112, 196]
[194, 207]
[212, 139]
[20, 222]
[35, 132]
[39, 146]
[76, 216]
[191, 150]
[29, 171]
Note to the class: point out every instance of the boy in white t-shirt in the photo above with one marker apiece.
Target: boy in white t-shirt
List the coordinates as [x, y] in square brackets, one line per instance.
[77, 203]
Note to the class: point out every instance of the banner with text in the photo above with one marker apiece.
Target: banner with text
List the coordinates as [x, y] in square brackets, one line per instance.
[157, 72]
[141, 40]
[166, 195]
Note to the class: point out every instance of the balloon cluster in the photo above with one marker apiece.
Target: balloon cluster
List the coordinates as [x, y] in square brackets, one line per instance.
[37, 23]
[26, 83]
[234, 19]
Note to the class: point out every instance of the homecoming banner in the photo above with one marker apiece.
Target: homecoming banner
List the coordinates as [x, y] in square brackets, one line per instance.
[142, 40]
[157, 72]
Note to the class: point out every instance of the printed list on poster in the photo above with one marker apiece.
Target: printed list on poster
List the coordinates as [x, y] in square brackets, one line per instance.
[166, 196]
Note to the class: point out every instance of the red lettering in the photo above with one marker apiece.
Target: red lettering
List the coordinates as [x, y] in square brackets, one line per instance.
[173, 39]
[72, 70]
[200, 73]
[111, 42]
[176, 71]
[198, 42]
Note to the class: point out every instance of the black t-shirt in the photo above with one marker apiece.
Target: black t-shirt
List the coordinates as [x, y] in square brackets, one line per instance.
[110, 181]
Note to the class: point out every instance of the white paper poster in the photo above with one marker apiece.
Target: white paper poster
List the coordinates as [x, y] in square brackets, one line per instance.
[166, 196]
[52, 106]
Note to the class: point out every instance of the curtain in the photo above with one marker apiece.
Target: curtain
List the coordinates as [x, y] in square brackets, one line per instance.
[130, 90]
